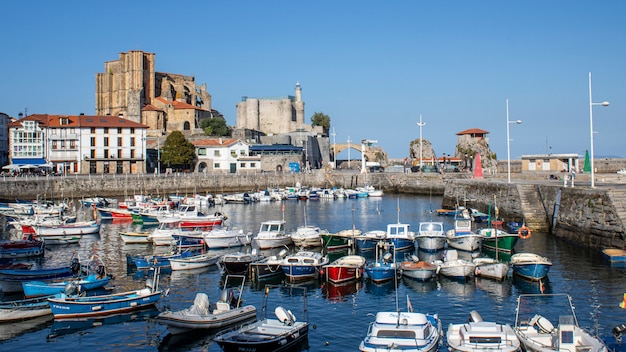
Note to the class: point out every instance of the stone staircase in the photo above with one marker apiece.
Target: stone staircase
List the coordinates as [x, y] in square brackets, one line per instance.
[618, 198]
[532, 208]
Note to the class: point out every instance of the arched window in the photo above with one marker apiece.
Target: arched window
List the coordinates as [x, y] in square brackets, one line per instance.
[186, 126]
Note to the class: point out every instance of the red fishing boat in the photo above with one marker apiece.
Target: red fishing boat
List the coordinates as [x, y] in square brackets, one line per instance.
[346, 268]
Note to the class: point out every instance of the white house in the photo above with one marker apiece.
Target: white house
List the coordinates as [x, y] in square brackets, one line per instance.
[226, 155]
[79, 144]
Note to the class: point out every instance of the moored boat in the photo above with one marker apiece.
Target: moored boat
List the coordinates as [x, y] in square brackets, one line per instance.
[367, 240]
[462, 237]
[615, 256]
[454, 267]
[194, 262]
[272, 235]
[129, 237]
[478, 335]
[497, 239]
[340, 240]
[23, 309]
[401, 236]
[268, 334]
[303, 265]
[491, 268]
[417, 269]
[346, 268]
[220, 237]
[530, 266]
[431, 236]
[268, 266]
[65, 307]
[238, 262]
[21, 248]
[202, 315]
[536, 332]
[384, 268]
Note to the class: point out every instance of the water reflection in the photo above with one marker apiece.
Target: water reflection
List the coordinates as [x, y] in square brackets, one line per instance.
[65, 327]
[526, 286]
[15, 329]
[342, 291]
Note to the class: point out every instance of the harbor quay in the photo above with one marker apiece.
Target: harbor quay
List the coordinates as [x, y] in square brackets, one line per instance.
[592, 217]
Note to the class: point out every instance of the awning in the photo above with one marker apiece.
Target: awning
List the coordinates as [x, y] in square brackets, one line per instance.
[11, 167]
[28, 161]
[25, 167]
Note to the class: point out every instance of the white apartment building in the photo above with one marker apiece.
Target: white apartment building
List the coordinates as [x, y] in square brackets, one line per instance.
[78, 144]
[225, 155]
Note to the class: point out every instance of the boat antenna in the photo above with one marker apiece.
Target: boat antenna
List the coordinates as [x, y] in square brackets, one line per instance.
[398, 210]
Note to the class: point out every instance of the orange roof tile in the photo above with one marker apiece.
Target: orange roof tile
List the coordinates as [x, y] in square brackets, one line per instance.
[54, 121]
[473, 131]
[215, 142]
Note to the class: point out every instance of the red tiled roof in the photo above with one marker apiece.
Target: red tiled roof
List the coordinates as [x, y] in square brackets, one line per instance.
[54, 121]
[215, 142]
[473, 131]
[177, 105]
[151, 107]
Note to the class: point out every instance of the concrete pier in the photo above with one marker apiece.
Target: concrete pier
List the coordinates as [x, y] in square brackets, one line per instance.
[592, 217]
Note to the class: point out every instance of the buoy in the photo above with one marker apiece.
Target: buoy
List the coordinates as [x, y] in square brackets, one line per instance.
[524, 232]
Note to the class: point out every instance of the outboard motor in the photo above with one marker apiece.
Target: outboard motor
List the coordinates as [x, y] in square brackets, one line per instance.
[71, 289]
[75, 266]
[475, 317]
[618, 331]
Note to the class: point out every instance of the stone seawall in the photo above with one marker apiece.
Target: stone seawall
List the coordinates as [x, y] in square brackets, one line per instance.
[591, 217]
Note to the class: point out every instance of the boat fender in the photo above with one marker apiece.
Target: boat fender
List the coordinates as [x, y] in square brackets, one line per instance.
[524, 232]
[36, 252]
[475, 317]
[618, 331]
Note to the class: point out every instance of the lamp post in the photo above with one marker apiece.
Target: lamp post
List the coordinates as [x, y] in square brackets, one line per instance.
[508, 141]
[334, 149]
[349, 166]
[591, 104]
[421, 124]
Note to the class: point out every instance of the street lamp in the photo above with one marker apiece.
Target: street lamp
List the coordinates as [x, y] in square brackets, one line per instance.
[508, 140]
[334, 149]
[591, 104]
[421, 124]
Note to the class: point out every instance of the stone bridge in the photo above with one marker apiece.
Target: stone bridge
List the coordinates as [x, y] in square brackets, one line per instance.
[371, 153]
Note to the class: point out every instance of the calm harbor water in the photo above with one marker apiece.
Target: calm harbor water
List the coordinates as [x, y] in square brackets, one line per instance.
[338, 315]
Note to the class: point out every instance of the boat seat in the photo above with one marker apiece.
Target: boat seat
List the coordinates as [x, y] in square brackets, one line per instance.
[221, 307]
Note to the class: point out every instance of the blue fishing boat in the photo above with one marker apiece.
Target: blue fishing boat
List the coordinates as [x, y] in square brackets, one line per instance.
[303, 265]
[367, 241]
[11, 279]
[23, 309]
[401, 236]
[21, 249]
[160, 261]
[384, 268]
[69, 307]
[530, 266]
[41, 288]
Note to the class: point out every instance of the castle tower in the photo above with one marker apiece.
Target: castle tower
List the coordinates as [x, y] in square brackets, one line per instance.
[298, 105]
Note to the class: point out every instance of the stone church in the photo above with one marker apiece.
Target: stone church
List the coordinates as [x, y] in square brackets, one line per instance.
[131, 88]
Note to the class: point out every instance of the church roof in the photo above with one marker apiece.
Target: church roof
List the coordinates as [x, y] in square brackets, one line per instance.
[177, 105]
[472, 131]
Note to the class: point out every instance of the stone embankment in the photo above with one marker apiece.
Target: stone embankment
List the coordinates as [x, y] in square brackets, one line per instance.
[590, 216]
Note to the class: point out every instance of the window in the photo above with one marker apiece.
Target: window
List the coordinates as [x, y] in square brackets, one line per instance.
[253, 165]
[92, 153]
[72, 144]
[132, 153]
[106, 130]
[132, 142]
[106, 153]
[106, 141]
[132, 131]
[93, 141]
[201, 151]
[216, 153]
[93, 130]
[242, 152]
[233, 153]
[119, 130]
[54, 145]
[242, 165]
[216, 165]
[119, 141]
[119, 154]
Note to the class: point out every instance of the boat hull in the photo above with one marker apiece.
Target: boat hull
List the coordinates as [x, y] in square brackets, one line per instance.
[430, 244]
[178, 323]
[251, 338]
[24, 309]
[92, 306]
[531, 271]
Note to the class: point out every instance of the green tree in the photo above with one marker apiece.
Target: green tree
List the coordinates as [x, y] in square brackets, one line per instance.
[215, 127]
[177, 152]
[321, 119]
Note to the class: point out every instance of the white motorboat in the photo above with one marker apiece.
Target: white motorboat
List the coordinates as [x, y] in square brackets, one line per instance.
[227, 311]
[462, 237]
[478, 335]
[194, 261]
[303, 265]
[417, 269]
[431, 236]
[226, 238]
[272, 234]
[491, 268]
[403, 331]
[308, 236]
[538, 334]
[454, 267]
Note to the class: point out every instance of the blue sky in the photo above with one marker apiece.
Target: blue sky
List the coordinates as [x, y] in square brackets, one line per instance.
[372, 66]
